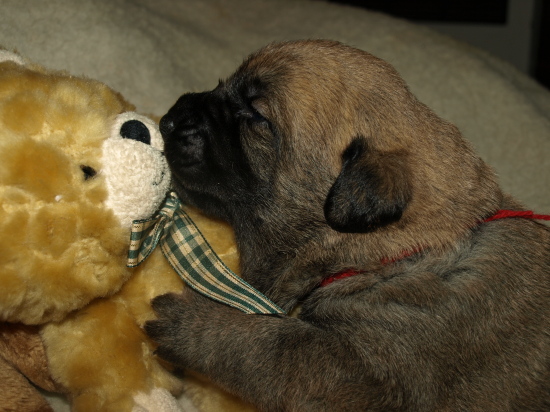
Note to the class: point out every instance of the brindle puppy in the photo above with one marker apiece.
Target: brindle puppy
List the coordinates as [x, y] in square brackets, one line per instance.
[323, 161]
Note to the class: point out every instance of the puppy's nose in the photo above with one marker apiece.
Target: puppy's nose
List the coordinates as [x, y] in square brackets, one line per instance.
[182, 139]
[166, 125]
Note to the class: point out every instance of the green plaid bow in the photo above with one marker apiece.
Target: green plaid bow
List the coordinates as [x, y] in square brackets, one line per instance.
[193, 259]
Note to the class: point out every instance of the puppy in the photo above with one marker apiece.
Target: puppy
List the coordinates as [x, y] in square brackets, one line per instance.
[350, 197]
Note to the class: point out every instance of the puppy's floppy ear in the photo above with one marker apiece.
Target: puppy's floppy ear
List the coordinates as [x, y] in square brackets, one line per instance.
[372, 190]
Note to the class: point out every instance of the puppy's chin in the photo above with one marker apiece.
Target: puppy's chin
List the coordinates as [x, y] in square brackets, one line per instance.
[206, 203]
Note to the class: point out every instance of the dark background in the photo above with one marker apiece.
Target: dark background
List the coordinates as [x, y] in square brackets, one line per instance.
[476, 13]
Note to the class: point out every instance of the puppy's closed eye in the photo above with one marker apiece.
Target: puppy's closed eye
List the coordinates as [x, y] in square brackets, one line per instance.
[371, 191]
[255, 111]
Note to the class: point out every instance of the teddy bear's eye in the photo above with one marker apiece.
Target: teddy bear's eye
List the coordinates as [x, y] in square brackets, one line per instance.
[89, 172]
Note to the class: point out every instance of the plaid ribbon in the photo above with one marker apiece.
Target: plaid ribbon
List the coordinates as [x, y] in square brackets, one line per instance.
[193, 259]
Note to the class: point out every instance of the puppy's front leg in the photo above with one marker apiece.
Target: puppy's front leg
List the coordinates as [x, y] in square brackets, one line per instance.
[276, 363]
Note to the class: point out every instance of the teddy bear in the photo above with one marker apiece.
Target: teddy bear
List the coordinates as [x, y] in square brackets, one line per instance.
[78, 166]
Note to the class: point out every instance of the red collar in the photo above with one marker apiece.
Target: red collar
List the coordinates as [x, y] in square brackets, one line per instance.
[525, 214]
[501, 214]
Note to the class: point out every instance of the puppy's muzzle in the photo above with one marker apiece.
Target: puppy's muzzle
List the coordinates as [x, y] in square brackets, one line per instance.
[183, 131]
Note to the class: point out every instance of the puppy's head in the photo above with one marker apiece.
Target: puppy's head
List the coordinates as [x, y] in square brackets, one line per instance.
[316, 140]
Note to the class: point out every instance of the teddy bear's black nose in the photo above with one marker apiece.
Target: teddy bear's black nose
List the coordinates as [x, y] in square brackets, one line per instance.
[135, 130]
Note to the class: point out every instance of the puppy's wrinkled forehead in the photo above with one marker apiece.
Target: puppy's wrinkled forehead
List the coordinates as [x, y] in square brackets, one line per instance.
[321, 68]
[295, 75]
[324, 87]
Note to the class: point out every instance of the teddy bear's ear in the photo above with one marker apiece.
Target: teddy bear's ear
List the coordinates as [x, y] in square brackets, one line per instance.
[7, 56]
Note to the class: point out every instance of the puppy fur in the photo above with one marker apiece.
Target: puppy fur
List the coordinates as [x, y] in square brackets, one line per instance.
[323, 161]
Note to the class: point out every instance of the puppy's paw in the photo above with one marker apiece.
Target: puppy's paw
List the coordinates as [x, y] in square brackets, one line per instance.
[170, 327]
[169, 306]
[182, 327]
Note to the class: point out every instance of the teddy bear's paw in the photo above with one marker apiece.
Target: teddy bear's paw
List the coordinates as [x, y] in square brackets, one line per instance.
[160, 400]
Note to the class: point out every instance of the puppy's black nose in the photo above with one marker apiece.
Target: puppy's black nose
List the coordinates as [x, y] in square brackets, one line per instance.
[182, 139]
[166, 125]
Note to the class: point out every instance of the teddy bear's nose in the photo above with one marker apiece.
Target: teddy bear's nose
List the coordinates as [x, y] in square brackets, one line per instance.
[135, 130]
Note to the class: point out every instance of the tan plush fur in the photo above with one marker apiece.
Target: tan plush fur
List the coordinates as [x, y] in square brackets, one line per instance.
[63, 252]
[105, 339]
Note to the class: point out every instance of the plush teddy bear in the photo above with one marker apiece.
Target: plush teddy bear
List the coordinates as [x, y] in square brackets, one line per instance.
[77, 166]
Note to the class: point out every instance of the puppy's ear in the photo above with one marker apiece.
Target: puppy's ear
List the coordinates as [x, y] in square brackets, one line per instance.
[372, 190]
